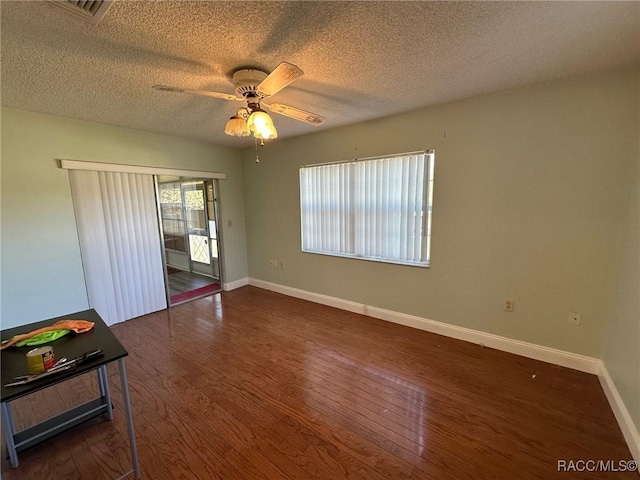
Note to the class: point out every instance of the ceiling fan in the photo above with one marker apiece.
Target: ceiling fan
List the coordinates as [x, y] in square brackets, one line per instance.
[253, 86]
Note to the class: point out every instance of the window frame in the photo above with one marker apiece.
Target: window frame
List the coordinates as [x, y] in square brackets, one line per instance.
[427, 211]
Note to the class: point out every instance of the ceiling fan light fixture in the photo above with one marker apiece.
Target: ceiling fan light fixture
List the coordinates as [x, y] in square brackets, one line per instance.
[253, 86]
[237, 127]
[260, 123]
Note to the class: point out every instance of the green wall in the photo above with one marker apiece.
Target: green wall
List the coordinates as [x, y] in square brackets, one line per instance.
[41, 269]
[528, 196]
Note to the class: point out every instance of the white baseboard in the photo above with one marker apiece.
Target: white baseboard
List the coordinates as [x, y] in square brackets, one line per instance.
[227, 287]
[525, 349]
[629, 429]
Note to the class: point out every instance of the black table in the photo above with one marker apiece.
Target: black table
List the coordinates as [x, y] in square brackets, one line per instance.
[14, 364]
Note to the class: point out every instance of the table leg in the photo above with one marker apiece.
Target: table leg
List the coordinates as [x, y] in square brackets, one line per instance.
[9, 432]
[127, 408]
[103, 383]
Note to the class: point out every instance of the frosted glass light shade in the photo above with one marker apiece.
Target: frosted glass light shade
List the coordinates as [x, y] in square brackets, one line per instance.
[261, 125]
[237, 127]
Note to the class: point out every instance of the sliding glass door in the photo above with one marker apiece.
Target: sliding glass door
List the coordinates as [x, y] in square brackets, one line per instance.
[187, 210]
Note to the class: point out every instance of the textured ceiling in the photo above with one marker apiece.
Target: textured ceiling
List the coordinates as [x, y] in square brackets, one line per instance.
[361, 60]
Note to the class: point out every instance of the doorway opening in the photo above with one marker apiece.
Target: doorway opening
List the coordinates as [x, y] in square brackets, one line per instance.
[188, 216]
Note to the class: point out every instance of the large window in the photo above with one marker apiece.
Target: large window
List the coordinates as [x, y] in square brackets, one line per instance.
[374, 209]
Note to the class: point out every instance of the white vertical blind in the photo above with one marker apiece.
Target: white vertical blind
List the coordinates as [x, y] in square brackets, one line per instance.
[376, 209]
[117, 225]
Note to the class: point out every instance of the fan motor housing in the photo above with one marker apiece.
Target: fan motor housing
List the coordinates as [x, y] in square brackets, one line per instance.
[246, 81]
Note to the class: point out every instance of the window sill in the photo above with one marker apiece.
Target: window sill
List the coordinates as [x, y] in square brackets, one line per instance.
[369, 259]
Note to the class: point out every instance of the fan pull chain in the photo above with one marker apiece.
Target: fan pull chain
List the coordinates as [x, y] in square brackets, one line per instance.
[255, 141]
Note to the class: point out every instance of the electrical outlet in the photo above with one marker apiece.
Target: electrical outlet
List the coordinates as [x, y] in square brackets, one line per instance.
[281, 265]
[575, 318]
[508, 305]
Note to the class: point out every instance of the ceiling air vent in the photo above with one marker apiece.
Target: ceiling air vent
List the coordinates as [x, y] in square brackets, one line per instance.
[90, 11]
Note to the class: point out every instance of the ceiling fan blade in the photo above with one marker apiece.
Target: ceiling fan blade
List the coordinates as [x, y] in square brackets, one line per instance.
[298, 114]
[283, 75]
[206, 93]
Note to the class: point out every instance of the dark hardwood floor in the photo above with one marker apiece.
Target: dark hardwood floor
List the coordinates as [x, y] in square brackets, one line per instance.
[251, 384]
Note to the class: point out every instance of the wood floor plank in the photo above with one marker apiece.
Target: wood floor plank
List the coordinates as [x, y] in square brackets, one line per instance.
[251, 384]
[281, 429]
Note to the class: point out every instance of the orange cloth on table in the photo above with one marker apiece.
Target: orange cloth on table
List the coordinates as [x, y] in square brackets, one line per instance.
[78, 326]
